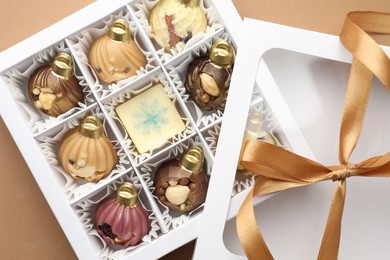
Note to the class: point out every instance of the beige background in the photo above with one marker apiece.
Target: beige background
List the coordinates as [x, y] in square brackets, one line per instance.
[29, 228]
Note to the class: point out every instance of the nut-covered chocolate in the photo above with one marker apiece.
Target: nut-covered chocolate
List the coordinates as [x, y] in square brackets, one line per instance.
[54, 89]
[208, 77]
[181, 184]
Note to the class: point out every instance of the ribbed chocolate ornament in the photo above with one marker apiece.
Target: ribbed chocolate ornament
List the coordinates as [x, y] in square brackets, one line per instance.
[86, 153]
[115, 56]
[121, 219]
[54, 89]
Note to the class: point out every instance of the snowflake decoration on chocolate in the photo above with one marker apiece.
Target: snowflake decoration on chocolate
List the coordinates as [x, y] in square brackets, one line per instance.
[151, 117]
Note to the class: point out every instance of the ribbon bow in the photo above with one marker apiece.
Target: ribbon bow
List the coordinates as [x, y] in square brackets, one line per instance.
[264, 159]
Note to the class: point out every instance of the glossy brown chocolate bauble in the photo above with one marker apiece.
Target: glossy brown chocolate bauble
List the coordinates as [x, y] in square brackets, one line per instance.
[181, 184]
[208, 83]
[52, 94]
[190, 185]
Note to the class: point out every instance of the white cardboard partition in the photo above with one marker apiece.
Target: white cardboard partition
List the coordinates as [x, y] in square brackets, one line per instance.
[303, 77]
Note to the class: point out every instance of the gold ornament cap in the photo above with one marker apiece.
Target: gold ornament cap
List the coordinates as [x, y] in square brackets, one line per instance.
[91, 127]
[62, 66]
[192, 160]
[222, 53]
[127, 195]
[119, 31]
[191, 3]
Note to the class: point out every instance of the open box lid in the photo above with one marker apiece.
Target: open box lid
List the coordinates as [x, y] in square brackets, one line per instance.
[302, 76]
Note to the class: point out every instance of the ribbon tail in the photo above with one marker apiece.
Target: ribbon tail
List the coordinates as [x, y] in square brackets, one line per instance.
[331, 239]
[251, 239]
[359, 87]
[248, 231]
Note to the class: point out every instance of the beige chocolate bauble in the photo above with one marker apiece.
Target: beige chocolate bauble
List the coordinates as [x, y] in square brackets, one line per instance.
[86, 153]
[115, 56]
[175, 21]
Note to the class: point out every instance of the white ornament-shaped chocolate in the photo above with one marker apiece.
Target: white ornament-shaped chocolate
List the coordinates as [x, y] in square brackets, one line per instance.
[175, 21]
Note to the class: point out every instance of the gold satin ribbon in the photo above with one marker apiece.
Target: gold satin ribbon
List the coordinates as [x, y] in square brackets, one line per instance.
[281, 170]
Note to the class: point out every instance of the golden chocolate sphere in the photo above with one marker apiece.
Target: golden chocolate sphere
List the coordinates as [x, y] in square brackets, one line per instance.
[115, 56]
[86, 153]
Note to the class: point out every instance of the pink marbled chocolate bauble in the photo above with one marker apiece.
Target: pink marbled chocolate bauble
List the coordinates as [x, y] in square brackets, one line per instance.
[121, 219]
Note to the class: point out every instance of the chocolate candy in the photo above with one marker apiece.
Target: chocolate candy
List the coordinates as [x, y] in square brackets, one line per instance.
[181, 184]
[54, 89]
[208, 77]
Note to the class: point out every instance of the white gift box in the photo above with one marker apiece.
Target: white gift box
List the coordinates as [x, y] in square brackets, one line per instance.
[295, 78]
[38, 136]
[302, 75]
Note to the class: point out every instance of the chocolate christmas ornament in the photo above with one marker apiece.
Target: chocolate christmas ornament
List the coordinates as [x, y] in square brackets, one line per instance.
[54, 89]
[121, 219]
[181, 184]
[208, 77]
[86, 153]
[175, 21]
[115, 56]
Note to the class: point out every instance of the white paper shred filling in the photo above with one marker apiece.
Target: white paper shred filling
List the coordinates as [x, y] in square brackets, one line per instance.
[85, 209]
[83, 43]
[72, 188]
[17, 83]
[177, 71]
[175, 219]
[143, 10]
[211, 136]
[129, 93]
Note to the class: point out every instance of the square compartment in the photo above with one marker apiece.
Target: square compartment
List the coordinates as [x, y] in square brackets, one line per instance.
[177, 69]
[50, 142]
[82, 42]
[143, 9]
[111, 102]
[16, 81]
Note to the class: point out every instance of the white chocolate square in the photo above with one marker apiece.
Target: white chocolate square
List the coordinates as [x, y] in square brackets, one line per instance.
[150, 118]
